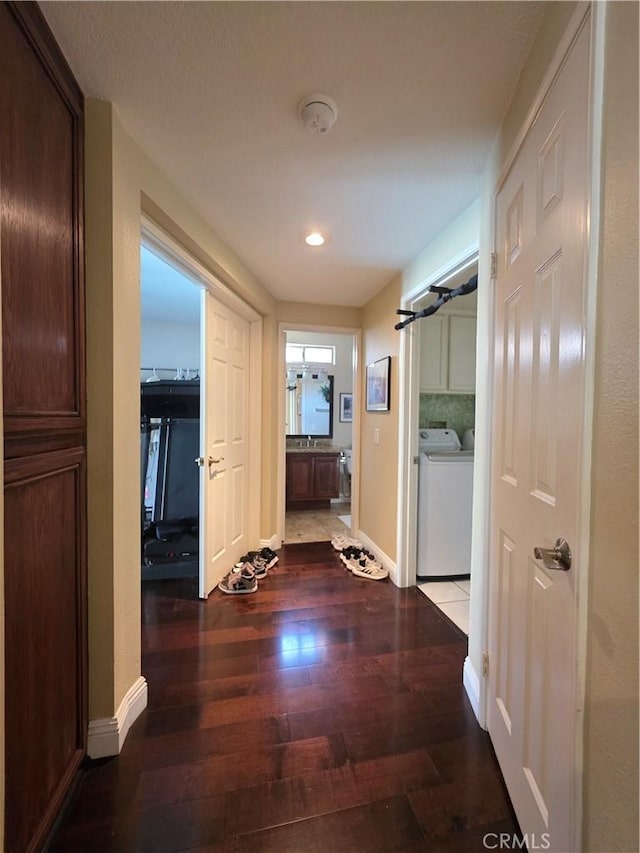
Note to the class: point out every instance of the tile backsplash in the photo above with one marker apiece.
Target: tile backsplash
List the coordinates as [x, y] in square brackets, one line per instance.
[453, 411]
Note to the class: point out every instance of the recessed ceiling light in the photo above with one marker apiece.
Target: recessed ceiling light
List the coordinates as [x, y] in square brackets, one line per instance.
[314, 238]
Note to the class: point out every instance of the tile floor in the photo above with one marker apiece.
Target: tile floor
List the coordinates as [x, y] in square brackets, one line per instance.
[319, 525]
[452, 597]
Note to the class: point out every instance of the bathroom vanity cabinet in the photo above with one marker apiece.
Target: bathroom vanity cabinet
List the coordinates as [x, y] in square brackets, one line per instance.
[312, 479]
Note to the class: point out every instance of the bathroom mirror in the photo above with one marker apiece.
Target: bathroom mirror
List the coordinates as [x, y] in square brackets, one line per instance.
[308, 405]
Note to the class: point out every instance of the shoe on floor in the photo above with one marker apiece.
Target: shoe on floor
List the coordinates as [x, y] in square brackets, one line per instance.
[269, 556]
[259, 564]
[241, 579]
[340, 542]
[365, 567]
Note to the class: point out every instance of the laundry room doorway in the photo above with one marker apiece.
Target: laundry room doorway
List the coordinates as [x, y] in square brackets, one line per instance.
[446, 439]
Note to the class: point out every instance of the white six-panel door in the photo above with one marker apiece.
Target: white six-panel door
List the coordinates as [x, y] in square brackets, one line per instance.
[224, 425]
[541, 227]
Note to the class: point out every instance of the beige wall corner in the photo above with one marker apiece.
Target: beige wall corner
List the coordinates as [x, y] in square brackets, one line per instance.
[99, 301]
[379, 461]
[611, 708]
[458, 238]
[303, 313]
[479, 609]
[270, 431]
[125, 349]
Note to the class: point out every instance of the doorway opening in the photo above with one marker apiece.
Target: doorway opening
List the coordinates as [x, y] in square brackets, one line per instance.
[170, 361]
[318, 485]
[216, 389]
[426, 401]
[446, 439]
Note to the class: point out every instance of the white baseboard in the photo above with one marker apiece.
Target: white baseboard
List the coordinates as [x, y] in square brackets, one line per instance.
[274, 543]
[380, 555]
[107, 735]
[471, 684]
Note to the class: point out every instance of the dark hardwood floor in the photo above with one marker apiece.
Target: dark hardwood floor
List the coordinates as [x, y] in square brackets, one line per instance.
[323, 713]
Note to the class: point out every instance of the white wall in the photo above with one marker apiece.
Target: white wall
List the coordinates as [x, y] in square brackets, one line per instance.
[169, 345]
[342, 372]
[458, 238]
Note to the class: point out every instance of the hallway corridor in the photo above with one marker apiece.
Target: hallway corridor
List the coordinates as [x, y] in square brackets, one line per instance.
[322, 713]
[317, 525]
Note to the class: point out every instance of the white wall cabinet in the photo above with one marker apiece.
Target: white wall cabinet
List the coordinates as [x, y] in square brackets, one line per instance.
[448, 354]
[434, 341]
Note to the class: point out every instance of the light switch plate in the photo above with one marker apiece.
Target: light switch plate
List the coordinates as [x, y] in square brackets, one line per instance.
[376, 436]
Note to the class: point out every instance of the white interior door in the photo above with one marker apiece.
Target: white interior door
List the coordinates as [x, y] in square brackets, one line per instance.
[224, 420]
[541, 222]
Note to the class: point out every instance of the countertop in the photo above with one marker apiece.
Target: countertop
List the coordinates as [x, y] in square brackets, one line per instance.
[335, 450]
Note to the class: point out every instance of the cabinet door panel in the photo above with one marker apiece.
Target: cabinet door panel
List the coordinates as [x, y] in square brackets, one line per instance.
[44, 575]
[325, 477]
[43, 380]
[433, 353]
[462, 354]
[299, 476]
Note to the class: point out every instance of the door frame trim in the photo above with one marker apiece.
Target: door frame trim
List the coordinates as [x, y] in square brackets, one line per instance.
[409, 405]
[595, 106]
[356, 334]
[180, 257]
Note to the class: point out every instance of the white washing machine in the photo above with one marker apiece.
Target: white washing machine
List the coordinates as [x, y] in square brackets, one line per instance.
[445, 497]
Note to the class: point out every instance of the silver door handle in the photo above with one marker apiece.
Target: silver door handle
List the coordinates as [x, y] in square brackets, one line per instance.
[557, 558]
[200, 460]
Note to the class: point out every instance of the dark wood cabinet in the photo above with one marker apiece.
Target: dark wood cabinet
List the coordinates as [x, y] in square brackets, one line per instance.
[299, 477]
[43, 378]
[312, 480]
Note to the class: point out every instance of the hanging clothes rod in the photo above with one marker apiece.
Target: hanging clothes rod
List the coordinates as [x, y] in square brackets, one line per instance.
[445, 294]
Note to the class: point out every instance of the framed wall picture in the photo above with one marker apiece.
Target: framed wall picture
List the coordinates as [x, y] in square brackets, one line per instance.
[346, 408]
[379, 385]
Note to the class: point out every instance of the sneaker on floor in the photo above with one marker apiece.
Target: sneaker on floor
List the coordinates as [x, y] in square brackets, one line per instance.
[257, 563]
[241, 579]
[269, 556]
[353, 552]
[350, 553]
[365, 567]
[341, 542]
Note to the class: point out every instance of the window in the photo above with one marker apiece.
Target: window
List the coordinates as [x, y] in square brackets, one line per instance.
[294, 353]
[300, 354]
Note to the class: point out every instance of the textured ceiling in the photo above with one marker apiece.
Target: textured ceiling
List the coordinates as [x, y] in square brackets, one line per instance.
[210, 91]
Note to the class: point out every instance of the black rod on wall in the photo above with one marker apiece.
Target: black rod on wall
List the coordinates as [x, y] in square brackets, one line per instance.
[445, 295]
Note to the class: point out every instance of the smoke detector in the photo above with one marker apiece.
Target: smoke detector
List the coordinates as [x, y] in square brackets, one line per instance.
[318, 113]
